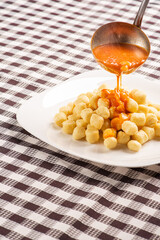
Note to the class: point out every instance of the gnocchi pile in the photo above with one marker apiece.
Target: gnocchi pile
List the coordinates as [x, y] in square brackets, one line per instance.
[116, 117]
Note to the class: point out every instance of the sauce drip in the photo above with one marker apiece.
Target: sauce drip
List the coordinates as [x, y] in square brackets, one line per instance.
[120, 58]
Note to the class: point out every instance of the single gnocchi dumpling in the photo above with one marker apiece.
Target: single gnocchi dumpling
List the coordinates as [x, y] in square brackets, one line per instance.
[138, 96]
[96, 121]
[149, 131]
[79, 133]
[141, 137]
[78, 109]
[138, 118]
[92, 136]
[122, 137]
[94, 102]
[68, 126]
[86, 114]
[151, 120]
[110, 142]
[132, 105]
[59, 118]
[129, 127]
[134, 145]
[103, 112]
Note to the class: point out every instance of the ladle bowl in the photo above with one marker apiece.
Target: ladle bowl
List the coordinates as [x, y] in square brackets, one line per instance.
[121, 32]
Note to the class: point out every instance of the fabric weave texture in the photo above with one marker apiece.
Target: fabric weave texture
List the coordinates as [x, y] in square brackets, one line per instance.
[45, 193]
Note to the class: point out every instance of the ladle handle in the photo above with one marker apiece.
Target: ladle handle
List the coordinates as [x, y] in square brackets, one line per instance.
[139, 16]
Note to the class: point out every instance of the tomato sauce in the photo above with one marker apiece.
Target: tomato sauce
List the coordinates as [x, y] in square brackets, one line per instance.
[117, 121]
[118, 100]
[120, 58]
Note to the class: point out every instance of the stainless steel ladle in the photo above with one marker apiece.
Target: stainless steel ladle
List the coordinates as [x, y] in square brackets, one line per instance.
[121, 32]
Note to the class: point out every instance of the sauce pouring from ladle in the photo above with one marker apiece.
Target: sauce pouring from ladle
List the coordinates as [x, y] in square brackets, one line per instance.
[120, 47]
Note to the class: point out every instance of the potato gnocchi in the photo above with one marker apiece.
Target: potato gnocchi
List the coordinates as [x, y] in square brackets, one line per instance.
[117, 117]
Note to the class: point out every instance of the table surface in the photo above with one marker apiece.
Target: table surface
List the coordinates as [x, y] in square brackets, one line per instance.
[45, 193]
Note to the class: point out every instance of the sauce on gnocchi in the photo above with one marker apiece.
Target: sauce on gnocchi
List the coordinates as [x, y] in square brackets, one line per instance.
[118, 100]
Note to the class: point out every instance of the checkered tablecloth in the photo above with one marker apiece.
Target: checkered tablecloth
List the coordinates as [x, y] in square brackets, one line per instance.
[46, 194]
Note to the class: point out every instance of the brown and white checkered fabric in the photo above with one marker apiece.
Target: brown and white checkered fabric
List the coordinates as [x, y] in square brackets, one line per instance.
[46, 194]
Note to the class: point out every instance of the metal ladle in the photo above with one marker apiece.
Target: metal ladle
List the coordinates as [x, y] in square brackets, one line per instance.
[121, 32]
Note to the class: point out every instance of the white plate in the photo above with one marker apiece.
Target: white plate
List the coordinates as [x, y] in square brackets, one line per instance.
[36, 116]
